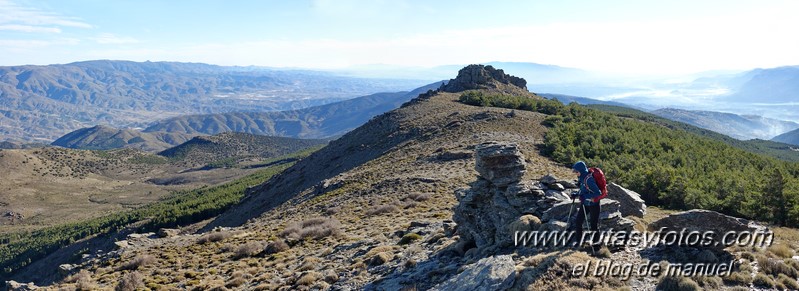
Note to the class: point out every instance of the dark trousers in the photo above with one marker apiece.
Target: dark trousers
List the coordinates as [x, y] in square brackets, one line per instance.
[593, 221]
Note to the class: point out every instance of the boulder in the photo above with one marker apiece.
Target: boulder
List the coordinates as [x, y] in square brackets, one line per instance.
[16, 286]
[631, 202]
[66, 269]
[706, 221]
[559, 211]
[168, 232]
[500, 164]
[491, 273]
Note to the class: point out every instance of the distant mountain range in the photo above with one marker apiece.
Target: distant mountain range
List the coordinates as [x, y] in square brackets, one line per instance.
[743, 127]
[43, 102]
[318, 122]
[566, 99]
[775, 85]
[314, 122]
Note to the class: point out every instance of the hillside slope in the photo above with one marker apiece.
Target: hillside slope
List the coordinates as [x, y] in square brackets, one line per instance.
[105, 138]
[791, 137]
[398, 168]
[733, 125]
[227, 149]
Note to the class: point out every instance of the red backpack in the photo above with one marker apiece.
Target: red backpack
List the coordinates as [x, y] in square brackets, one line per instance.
[599, 178]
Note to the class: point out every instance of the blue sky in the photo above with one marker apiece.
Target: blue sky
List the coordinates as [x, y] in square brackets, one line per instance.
[646, 37]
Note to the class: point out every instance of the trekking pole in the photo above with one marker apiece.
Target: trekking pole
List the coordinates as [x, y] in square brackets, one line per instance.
[569, 218]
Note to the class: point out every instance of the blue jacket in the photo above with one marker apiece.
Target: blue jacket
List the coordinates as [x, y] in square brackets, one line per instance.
[588, 188]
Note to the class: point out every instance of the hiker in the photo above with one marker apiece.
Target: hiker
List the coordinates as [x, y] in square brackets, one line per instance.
[589, 194]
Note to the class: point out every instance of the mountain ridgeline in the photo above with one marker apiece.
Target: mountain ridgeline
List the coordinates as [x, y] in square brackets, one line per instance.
[44, 102]
[105, 138]
[741, 127]
[227, 149]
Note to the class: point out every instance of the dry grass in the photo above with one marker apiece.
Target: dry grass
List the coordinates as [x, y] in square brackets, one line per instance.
[316, 228]
[139, 262]
[738, 278]
[214, 236]
[775, 267]
[781, 250]
[276, 246]
[249, 249]
[419, 197]
[84, 281]
[130, 281]
[309, 278]
[678, 283]
[383, 209]
[409, 238]
[763, 281]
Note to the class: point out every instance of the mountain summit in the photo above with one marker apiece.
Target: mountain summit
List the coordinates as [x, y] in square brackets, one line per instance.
[484, 77]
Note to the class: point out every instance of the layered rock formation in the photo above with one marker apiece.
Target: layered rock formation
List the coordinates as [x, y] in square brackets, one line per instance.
[500, 202]
[482, 77]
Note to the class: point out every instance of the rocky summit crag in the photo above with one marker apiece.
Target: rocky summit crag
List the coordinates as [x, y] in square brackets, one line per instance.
[484, 77]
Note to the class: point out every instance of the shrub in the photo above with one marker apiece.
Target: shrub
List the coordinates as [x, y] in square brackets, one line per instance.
[83, 280]
[249, 249]
[276, 247]
[139, 262]
[409, 238]
[738, 278]
[677, 283]
[316, 228]
[381, 258]
[332, 210]
[309, 278]
[764, 281]
[419, 197]
[130, 281]
[775, 267]
[709, 282]
[382, 209]
[788, 282]
[214, 236]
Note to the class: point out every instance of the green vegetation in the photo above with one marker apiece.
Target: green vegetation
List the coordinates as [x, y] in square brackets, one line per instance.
[181, 208]
[668, 164]
[774, 149]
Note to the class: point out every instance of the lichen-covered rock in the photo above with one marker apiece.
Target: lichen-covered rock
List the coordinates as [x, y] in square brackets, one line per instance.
[705, 221]
[500, 164]
[631, 202]
[488, 274]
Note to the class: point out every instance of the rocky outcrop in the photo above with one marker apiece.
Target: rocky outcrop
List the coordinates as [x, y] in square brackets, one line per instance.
[500, 164]
[492, 273]
[482, 77]
[16, 286]
[500, 202]
[631, 202]
[706, 221]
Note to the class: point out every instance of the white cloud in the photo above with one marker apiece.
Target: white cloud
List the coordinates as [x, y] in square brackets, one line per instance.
[109, 38]
[15, 14]
[29, 28]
